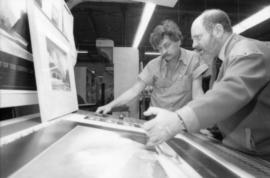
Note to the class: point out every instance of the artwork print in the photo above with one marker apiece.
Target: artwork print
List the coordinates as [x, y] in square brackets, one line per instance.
[60, 77]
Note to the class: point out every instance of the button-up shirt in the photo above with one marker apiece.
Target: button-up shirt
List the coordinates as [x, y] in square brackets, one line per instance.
[175, 90]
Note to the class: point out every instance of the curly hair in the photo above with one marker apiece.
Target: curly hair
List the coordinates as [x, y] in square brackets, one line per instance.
[168, 28]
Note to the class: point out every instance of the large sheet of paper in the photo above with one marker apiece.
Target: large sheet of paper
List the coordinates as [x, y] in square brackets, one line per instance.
[89, 152]
[53, 62]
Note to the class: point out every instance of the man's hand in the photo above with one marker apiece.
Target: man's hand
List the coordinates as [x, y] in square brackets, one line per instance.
[164, 126]
[104, 109]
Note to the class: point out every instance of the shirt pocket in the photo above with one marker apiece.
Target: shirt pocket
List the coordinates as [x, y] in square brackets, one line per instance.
[183, 83]
[162, 83]
[180, 85]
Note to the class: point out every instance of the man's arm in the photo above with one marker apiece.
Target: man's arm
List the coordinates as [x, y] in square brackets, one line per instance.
[144, 78]
[243, 78]
[126, 97]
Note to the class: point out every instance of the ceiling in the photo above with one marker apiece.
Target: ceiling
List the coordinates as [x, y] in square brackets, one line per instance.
[119, 20]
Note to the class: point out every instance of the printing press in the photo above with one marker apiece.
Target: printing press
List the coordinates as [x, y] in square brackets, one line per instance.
[85, 145]
[63, 141]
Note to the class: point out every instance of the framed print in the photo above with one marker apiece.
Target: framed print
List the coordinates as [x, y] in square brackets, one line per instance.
[53, 66]
[58, 67]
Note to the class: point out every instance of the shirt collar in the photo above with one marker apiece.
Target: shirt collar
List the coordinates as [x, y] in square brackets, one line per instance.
[183, 56]
[221, 54]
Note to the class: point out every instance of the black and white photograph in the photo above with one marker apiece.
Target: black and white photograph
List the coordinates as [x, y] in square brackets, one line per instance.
[58, 67]
[135, 89]
[17, 77]
[53, 64]
[13, 22]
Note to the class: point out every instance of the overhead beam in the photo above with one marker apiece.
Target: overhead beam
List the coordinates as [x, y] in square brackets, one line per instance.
[73, 3]
[168, 3]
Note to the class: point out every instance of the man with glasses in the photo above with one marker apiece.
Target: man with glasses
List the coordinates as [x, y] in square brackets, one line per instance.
[239, 100]
[175, 75]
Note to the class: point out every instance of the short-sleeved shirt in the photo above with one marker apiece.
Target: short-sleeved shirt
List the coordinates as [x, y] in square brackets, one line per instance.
[175, 91]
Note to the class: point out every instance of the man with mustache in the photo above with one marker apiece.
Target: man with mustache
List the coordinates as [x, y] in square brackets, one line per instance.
[239, 100]
[175, 75]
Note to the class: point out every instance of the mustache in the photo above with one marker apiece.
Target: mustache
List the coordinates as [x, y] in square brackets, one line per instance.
[198, 50]
[164, 56]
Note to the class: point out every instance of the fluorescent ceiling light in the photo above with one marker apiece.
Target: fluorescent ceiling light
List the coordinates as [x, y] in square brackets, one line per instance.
[152, 53]
[253, 20]
[168, 3]
[146, 16]
[82, 51]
